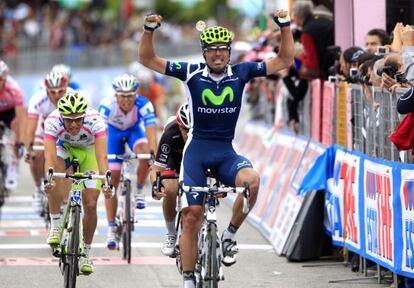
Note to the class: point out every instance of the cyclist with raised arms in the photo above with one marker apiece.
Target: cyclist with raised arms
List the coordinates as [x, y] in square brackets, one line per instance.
[131, 118]
[41, 104]
[168, 160]
[75, 131]
[214, 92]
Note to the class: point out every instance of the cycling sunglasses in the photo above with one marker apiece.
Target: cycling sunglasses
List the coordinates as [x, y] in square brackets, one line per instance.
[220, 48]
[126, 94]
[56, 91]
[77, 120]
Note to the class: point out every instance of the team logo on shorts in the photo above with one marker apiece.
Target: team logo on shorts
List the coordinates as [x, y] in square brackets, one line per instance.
[242, 164]
[165, 148]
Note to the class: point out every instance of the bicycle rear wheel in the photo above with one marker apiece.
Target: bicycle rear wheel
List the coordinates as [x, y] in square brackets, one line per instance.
[71, 268]
[212, 266]
[127, 229]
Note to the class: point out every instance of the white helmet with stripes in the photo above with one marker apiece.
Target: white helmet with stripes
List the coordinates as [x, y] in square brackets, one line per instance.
[56, 80]
[125, 83]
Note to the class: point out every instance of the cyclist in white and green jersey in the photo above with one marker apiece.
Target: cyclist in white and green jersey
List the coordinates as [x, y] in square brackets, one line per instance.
[75, 131]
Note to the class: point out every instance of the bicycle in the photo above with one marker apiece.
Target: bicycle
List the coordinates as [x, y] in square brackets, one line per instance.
[208, 270]
[6, 157]
[3, 167]
[45, 203]
[157, 188]
[126, 218]
[71, 246]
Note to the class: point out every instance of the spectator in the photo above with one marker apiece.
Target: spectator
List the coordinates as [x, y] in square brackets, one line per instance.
[375, 38]
[323, 8]
[317, 35]
[297, 89]
[346, 63]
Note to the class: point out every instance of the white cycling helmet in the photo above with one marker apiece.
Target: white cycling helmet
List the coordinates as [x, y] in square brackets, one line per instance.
[64, 69]
[125, 83]
[183, 117]
[56, 80]
[4, 69]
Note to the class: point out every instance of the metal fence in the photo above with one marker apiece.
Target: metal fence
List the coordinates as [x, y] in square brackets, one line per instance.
[374, 119]
[370, 118]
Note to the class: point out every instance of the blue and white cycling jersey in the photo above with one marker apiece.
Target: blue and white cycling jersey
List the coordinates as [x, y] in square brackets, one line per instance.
[126, 127]
[214, 109]
[143, 111]
[214, 105]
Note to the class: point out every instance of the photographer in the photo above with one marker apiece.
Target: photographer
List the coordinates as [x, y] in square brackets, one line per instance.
[392, 73]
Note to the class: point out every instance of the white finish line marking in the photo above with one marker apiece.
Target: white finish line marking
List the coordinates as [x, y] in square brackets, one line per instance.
[134, 245]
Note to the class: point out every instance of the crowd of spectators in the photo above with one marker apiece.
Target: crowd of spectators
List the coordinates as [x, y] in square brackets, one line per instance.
[30, 26]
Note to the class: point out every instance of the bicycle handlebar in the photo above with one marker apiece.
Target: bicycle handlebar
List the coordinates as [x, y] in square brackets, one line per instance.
[139, 156]
[37, 148]
[30, 154]
[214, 190]
[106, 177]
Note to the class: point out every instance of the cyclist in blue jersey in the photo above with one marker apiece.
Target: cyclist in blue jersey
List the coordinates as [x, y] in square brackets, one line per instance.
[130, 119]
[214, 92]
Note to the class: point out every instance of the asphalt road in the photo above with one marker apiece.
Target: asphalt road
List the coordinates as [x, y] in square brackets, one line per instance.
[26, 261]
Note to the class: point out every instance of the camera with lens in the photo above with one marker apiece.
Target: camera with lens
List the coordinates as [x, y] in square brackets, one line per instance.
[354, 75]
[400, 77]
[364, 79]
[392, 71]
[389, 70]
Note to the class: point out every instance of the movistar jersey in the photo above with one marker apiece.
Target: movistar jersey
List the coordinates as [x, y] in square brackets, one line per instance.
[214, 106]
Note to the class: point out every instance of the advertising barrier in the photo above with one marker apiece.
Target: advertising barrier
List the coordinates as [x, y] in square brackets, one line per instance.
[370, 205]
[281, 159]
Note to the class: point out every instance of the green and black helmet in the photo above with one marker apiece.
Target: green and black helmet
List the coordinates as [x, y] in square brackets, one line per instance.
[72, 103]
[215, 34]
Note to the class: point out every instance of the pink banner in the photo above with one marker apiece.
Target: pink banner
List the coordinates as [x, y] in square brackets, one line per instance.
[316, 110]
[328, 113]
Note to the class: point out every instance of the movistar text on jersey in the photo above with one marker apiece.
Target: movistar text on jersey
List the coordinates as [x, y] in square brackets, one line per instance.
[223, 110]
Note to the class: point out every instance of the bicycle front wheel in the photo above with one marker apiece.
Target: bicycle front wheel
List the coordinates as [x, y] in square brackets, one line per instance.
[128, 225]
[3, 190]
[212, 272]
[71, 268]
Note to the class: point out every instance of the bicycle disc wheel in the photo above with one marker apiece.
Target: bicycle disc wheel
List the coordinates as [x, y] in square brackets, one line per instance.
[127, 231]
[71, 268]
[212, 265]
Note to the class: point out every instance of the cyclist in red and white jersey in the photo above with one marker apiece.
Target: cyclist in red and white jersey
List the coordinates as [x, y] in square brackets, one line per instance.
[41, 104]
[11, 104]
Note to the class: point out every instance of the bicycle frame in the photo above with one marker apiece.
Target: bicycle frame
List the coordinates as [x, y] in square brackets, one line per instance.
[71, 246]
[6, 155]
[127, 218]
[208, 270]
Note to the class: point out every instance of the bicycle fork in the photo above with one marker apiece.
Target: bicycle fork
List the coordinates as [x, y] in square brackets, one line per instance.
[206, 263]
[67, 228]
